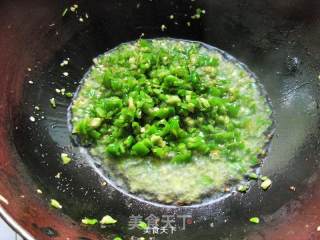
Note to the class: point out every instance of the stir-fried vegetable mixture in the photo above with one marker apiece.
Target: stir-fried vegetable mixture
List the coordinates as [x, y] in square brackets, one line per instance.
[171, 101]
[163, 100]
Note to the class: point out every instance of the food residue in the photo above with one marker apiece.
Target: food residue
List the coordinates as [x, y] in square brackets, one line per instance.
[65, 158]
[54, 203]
[254, 220]
[108, 220]
[266, 184]
[89, 221]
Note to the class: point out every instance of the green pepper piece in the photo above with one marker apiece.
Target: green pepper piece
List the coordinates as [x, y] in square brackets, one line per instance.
[161, 153]
[54, 203]
[115, 149]
[266, 184]
[182, 157]
[89, 221]
[164, 112]
[254, 220]
[140, 149]
[142, 225]
[106, 220]
[173, 100]
[65, 158]
[243, 188]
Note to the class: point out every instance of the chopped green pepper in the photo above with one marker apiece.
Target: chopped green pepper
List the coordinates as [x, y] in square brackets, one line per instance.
[64, 12]
[253, 176]
[162, 93]
[266, 184]
[65, 158]
[53, 102]
[108, 220]
[140, 149]
[69, 94]
[89, 221]
[254, 220]
[54, 203]
[142, 225]
[167, 104]
[243, 188]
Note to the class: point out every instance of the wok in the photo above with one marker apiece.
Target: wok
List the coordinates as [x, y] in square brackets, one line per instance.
[278, 40]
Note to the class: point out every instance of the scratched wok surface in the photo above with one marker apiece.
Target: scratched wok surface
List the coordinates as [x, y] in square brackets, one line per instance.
[278, 40]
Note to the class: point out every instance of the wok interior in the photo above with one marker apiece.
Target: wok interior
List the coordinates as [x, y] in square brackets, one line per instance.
[276, 39]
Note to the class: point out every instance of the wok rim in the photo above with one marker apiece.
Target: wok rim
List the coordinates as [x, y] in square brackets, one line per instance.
[14, 225]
